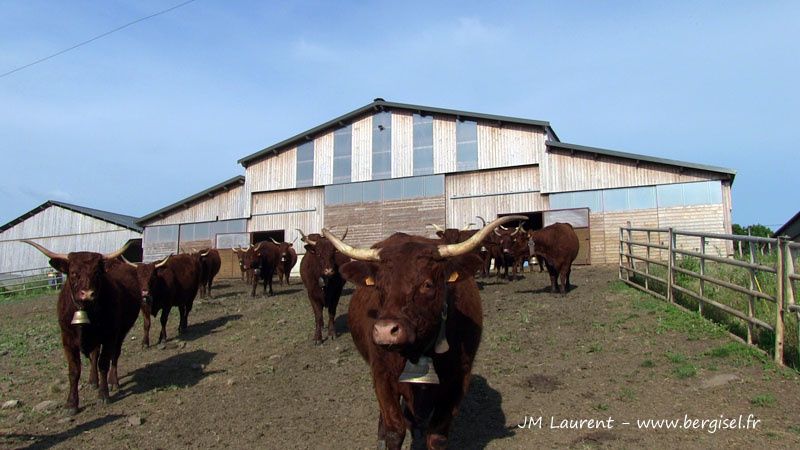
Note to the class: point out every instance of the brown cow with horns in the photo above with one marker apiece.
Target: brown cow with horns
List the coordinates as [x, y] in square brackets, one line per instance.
[416, 309]
[97, 306]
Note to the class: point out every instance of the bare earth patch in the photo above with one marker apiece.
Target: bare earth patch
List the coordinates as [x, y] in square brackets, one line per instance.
[246, 375]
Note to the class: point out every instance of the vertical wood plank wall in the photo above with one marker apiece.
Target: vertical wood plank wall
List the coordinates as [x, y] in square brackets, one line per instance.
[323, 159]
[509, 145]
[402, 144]
[361, 160]
[444, 144]
[225, 205]
[282, 208]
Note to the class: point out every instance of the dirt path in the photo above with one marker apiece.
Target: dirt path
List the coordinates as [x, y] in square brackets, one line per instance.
[246, 375]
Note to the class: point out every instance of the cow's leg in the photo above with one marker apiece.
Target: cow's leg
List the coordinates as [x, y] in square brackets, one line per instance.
[103, 364]
[73, 356]
[93, 377]
[184, 318]
[254, 282]
[271, 293]
[316, 299]
[564, 278]
[553, 277]
[113, 377]
[389, 402]
[146, 327]
[162, 337]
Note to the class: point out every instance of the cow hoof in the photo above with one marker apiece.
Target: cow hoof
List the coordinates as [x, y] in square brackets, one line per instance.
[70, 410]
[317, 341]
[162, 346]
[437, 441]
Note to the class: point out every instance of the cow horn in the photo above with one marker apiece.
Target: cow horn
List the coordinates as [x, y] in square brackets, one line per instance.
[436, 227]
[468, 226]
[163, 261]
[274, 241]
[48, 253]
[258, 247]
[118, 252]
[482, 220]
[236, 249]
[503, 228]
[361, 254]
[293, 240]
[305, 238]
[345, 233]
[128, 262]
[497, 233]
[205, 253]
[447, 251]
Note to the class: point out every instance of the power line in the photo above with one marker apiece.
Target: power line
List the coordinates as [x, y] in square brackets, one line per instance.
[96, 38]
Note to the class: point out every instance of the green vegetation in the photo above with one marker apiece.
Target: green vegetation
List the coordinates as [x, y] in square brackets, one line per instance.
[763, 400]
[685, 371]
[647, 363]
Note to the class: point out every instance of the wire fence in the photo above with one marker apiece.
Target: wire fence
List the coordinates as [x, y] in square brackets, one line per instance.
[751, 291]
[30, 281]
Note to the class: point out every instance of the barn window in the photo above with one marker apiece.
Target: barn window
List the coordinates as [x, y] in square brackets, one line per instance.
[642, 197]
[372, 191]
[423, 145]
[393, 189]
[334, 194]
[466, 145]
[305, 164]
[342, 154]
[382, 145]
[434, 186]
[670, 195]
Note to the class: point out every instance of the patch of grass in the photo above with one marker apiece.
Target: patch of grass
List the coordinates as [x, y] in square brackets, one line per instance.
[647, 363]
[594, 348]
[763, 400]
[685, 371]
[601, 407]
[795, 429]
[739, 354]
[676, 358]
[627, 395]
[618, 287]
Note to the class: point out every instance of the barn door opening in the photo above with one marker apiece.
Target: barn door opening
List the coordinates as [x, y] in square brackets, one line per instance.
[579, 219]
[261, 236]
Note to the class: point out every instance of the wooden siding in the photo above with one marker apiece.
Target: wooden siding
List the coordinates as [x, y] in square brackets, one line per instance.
[727, 204]
[463, 211]
[273, 173]
[368, 223]
[287, 210]
[444, 144]
[703, 218]
[60, 230]
[402, 144]
[509, 145]
[487, 182]
[361, 159]
[564, 173]
[222, 206]
[323, 159]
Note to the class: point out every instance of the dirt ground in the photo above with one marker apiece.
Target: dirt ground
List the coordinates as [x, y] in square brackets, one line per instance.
[246, 375]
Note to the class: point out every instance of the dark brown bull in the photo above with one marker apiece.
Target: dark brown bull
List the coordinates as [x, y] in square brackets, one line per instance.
[416, 301]
[105, 290]
[265, 260]
[514, 248]
[173, 281]
[319, 271]
[210, 264]
[245, 257]
[287, 261]
[558, 245]
[454, 236]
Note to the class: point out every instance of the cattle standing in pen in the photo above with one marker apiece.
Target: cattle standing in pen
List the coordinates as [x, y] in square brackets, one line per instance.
[416, 317]
[287, 261]
[97, 306]
[173, 281]
[319, 271]
[210, 263]
[245, 257]
[514, 248]
[265, 260]
[558, 245]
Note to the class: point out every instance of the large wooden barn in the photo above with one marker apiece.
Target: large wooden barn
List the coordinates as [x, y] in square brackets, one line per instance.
[64, 228]
[390, 167]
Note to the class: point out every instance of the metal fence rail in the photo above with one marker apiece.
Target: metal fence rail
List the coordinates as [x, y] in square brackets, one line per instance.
[25, 281]
[642, 248]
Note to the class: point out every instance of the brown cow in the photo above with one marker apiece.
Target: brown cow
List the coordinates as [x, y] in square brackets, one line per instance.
[416, 302]
[288, 258]
[558, 245]
[514, 248]
[174, 281]
[265, 259]
[454, 236]
[319, 271]
[97, 306]
[210, 263]
[245, 257]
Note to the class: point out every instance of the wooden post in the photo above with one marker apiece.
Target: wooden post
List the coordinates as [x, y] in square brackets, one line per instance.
[631, 261]
[647, 263]
[621, 237]
[741, 255]
[790, 294]
[670, 264]
[779, 331]
[751, 299]
[702, 272]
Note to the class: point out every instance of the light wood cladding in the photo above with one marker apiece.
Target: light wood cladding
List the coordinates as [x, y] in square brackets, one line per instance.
[402, 144]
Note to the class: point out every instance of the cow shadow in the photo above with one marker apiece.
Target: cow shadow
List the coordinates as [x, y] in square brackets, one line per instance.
[545, 290]
[178, 371]
[45, 441]
[218, 296]
[481, 419]
[221, 285]
[289, 291]
[340, 325]
[200, 329]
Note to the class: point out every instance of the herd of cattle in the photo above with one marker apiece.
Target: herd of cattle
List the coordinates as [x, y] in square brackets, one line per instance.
[415, 315]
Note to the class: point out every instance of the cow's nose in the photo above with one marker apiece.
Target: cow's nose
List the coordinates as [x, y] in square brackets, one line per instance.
[145, 292]
[328, 272]
[505, 250]
[86, 294]
[390, 332]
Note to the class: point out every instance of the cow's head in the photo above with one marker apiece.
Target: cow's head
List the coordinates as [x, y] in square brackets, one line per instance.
[147, 277]
[84, 270]
[283, 250]
[324, 251]
[508, 239]
[447, 235]
[245, 256]
[410, 275]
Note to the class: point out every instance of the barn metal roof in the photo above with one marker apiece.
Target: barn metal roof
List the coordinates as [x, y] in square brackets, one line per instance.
[790, 228]
[122, 220]
[638, 157]
[380, 104]
[210, 192]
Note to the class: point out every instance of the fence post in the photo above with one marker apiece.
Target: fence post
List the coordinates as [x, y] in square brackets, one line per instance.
[670, 264]
[790, 294]
[631, 261]
[621, 238]
[702, 273]
[781, 275]
[751, 299]
[647, 263]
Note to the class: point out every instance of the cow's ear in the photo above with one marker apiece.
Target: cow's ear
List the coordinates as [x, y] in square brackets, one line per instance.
[440, 234]
[60, 264]
[462, 267]
[359, 272]
[310, 248]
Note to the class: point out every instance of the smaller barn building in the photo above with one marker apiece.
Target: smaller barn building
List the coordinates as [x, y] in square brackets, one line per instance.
[64, 228]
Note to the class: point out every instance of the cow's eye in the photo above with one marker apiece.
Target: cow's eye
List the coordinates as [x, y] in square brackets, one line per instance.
[427, 285]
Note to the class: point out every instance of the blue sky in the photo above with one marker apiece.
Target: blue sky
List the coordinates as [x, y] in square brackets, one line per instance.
[163, 109]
